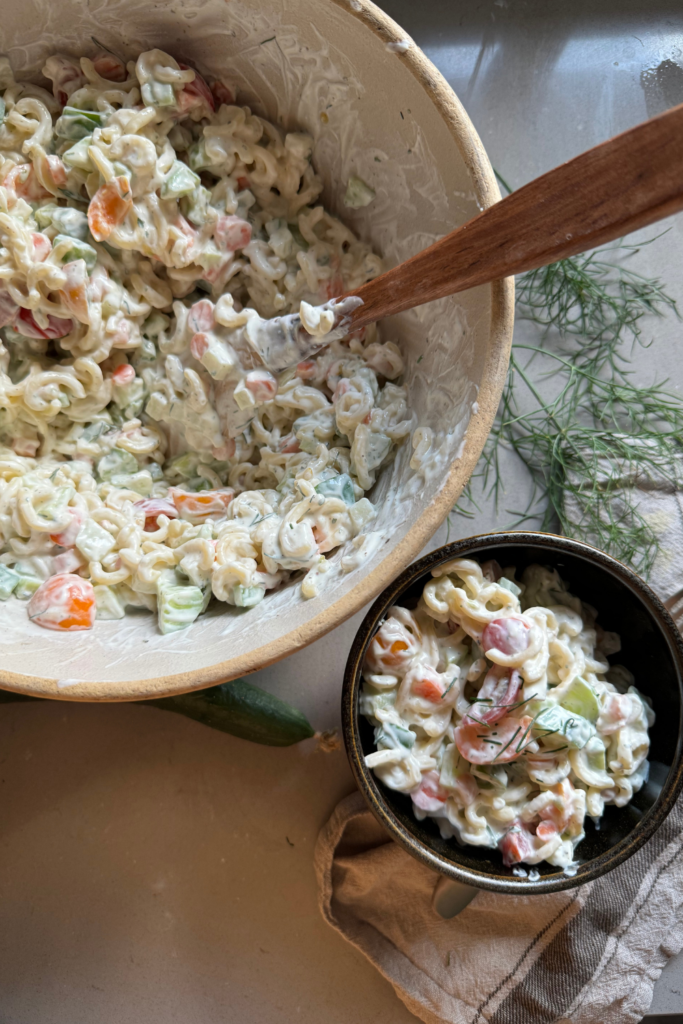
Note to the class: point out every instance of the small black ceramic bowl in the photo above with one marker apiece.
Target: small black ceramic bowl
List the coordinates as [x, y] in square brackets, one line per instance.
[651, 648]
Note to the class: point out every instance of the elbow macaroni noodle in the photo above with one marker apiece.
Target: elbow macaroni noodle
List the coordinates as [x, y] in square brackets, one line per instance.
[493, 709]
[147, 457]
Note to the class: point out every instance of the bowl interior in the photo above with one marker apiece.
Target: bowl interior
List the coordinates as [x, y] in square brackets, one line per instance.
[374, 110]
[650, 650]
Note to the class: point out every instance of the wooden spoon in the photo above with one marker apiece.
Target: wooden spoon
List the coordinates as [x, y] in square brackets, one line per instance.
[621, 185]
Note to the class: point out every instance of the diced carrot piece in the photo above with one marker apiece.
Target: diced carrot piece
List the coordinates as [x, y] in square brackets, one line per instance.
[153, 508]
[67, 538]
[109, 207]
[64, 602]
[123, 374]
[203, 505]
[74, 294]
[429, 689]
[194, 93]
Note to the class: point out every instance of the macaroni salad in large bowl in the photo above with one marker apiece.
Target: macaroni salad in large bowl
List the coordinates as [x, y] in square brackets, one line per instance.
[148, 459]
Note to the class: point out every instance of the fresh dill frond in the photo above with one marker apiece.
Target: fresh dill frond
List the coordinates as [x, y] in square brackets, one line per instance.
[571, 413]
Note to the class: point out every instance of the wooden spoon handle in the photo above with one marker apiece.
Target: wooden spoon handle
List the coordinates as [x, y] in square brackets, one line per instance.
[623, 184]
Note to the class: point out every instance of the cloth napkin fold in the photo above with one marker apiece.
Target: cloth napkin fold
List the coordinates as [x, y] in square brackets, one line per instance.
[590, 955]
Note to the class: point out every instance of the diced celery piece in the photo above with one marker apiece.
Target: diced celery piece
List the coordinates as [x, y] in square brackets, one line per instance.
[247, 597]
[389, 736]
[70, 249]
[158, 94]
[558, 727]
[76, 124]
[358, 193]
[582, 700]
[338, 487]
[78, 155]
[155, 471]
[507, 584]
[180, 181]
[2, 110]
[110, 604]
[178, 606]
[141, 482]
[117, 461]
[93, 541]
[8, 581]
[26, 587]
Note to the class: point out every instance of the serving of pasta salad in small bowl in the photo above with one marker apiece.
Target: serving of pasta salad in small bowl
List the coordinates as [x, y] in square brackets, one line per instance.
[176, 508]
[512, 711]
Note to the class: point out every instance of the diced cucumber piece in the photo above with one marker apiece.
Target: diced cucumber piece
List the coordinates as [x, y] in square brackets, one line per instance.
[158, 94]
[247, 597]
[198, 157]
[73, 223]
[109, 603]
[69, 249]
[358, 193]
[78, 156]
[452, 766]
[338, 487]
[76, 124]
[590, 764]
[558, 727]
[180, 181]
[197, 207]
[140, 482]
[580, 699]
[389, 736]
[94, 430]
[55, 507]
[298, 237]
[117, 461]
[8, 582]
[361, 513]
[507, 584]
[93, 541]
[178, 606]
[379, 446]
[26, 587]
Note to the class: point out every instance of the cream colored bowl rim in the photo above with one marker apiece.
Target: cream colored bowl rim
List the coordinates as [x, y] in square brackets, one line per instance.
[495, 368]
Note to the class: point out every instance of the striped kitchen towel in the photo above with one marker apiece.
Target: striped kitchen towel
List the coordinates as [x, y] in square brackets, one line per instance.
[590, 955]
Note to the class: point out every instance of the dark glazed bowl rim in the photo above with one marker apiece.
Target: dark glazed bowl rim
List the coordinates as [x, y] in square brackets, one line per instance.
[373, 792]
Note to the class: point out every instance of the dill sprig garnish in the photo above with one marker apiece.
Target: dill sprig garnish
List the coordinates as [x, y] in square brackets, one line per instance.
[572, 412]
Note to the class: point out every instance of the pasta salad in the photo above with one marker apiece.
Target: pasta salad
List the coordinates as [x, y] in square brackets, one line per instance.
[493, 709]
[148, 458]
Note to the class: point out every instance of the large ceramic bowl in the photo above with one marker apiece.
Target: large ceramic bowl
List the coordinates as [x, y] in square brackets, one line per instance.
[377, 108]
[651, 648]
